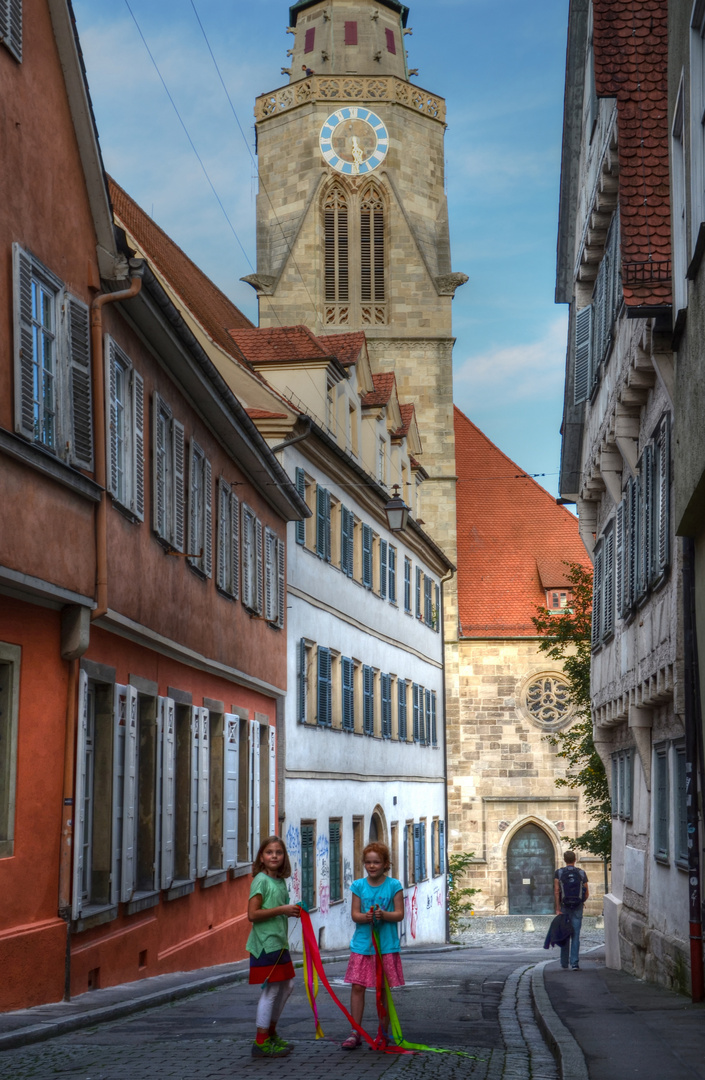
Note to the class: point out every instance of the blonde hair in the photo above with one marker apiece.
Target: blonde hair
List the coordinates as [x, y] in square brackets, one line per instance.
[258, 866]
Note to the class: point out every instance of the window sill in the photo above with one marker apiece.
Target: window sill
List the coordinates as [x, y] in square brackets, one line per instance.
[336, 903]
[49, 465]
[94, 915]
[241, 871]
[178, 889]
[662, 860]
[141, 901]
[214, 877]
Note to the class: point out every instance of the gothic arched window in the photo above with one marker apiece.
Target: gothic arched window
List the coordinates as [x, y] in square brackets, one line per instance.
[372, 247]
[337, 252]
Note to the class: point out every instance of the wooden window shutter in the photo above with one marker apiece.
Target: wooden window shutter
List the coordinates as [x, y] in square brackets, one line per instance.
[269, 575]
[383, 569]
[367, 556]
[160, 449]
[418, 873]
[663, 523]
[351, 33]
[347, 545]
[118, 778]
[129, 801]
[434, 721]
[223, 559]
[248, 546]
[597, 597]
[407, 584]
[301, 489]
[232, 766]
[193, 814]
[309, 39]
[419, 575]
[437, 606]
[583, 360]
[23, 343]
[281, 583]
[442, 847]
[324, 714]
[110, 353]
[207, 564]
[402, 709]
[386, 697]
[179, 451]
[416, 692]
[79, 796]
[79, 361]
[619, 557]
[137, 499]
[259, 559]
[347, 674]
[254, 787]
[632, 563]
[646, 545]
[302, 681]
[427, 718]
[234, 545]
[11, 26]
[391, 41]
[321, 508]
[167, 711]
[608, 586]
[203, 791]
[368, 703]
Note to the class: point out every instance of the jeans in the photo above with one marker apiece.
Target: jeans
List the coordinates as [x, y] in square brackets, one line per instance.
[576, 919]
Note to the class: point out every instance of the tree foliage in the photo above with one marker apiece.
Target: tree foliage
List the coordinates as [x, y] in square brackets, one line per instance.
[459, 898]
[567, 637]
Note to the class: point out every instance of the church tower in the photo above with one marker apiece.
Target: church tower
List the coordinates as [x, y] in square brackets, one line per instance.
[352, 218]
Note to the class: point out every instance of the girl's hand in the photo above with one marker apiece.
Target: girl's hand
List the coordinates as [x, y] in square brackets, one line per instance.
[292, 911]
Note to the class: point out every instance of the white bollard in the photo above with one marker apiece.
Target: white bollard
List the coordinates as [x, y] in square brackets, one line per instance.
[600, 924]
[529, 927]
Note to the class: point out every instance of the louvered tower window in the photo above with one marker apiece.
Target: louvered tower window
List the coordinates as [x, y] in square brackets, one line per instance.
[372, 292]
[337, 254]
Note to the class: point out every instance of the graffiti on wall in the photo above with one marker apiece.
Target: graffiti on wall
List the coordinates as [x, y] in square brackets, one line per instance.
[293, 842]
[411, 910]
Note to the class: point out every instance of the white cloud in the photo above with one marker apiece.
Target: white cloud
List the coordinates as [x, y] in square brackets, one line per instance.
[515, 373]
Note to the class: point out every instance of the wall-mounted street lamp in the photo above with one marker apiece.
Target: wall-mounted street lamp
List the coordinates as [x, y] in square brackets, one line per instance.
[397, 511]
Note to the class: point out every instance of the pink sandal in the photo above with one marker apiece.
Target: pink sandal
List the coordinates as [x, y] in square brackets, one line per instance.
[352, 1042]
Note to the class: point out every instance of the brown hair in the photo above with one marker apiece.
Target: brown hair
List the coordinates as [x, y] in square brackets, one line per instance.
[569, 856]
[258, 866]
[379, 849]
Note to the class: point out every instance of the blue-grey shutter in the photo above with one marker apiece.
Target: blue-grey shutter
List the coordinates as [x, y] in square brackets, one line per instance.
[307, 867]
[407, 584]
[418, 875]
[302, 681]
[434, 830]
[11, 26]
[419, 574]
[597, 597]
[415, 692]
[608, 586]
[434, 724]
[583, 362]
[437, 606]
[383, 569]
[79, 362]
[347, 528]
[427, 718]
[392, 561]
[336, 891]
[324, 686]
[632, 562]
[301, 489]
[427, 601]
[646, 478]
[442, 846]
[423, 851]
[386, 699]
[179, 445]
[367, 556]
[662, 524]
[619, 557]
[24, 344]
[368, 688]
[348, 670]
[402, 706]
[281, 582]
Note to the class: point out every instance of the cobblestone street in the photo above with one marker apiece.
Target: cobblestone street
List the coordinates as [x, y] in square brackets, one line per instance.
[474, 999]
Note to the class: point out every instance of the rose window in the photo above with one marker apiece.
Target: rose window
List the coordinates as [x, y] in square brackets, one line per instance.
[547, 700]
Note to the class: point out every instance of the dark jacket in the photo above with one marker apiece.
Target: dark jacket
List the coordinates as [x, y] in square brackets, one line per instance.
[558, 932]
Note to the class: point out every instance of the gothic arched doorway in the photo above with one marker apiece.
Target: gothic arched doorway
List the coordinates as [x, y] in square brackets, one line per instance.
[530, 869]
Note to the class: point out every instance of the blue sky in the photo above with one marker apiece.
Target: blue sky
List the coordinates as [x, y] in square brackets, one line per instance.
[500, 67]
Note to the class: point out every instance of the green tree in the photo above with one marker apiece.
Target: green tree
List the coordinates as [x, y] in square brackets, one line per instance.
[459, 898]
[567, 637]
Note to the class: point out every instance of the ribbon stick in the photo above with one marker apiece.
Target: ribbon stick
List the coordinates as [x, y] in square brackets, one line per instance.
[311, 983]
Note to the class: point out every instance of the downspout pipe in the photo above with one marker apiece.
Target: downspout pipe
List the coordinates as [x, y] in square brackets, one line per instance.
[693, 774]
[441, 616]
[137, 267]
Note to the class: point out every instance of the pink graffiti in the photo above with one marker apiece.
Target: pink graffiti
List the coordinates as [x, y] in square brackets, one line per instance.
[324, 899]
[414, 912]
[439, 898]
[296, 884]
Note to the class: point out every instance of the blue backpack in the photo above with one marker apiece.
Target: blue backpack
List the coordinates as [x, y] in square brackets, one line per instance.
[571, 882]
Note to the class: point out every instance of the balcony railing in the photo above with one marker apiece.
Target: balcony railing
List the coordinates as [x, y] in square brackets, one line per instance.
[351, 88]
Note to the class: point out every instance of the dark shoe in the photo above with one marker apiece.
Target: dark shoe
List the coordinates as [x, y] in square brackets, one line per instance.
[575, 967]
[268, 1049]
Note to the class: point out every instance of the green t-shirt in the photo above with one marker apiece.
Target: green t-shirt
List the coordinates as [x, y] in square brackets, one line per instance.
[270, 935]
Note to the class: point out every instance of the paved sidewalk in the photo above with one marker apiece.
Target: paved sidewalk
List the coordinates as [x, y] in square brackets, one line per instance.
[624, 1027]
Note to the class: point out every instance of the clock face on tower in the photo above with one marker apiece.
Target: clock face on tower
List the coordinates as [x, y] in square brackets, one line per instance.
[354, 141]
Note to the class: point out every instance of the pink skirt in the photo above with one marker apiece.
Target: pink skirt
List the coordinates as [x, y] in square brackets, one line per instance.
[361, 969]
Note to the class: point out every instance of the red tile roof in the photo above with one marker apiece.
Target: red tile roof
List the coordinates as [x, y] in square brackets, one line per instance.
[384, 384]
[265, 414]
[507, 524]
[279, 344]
[210, 306]
[631, 63]
[408, 413]
[347, 347]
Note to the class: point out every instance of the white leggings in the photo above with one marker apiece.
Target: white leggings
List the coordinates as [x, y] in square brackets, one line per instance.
[272, 1000]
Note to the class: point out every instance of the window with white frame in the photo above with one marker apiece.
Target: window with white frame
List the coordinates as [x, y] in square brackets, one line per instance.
[125, 430]
[274, 578]
[251, 538]
[661, 804]
[622, 784]
[228, 554]
[11, 26]
[9, 710]
[168, 469]
[52, 376]
[678, 205]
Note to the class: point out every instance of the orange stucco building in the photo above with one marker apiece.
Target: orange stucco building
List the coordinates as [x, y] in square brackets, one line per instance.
[142, 569]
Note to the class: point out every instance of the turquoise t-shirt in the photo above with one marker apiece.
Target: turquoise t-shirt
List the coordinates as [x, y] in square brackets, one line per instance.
[270, 935]
[388, 932]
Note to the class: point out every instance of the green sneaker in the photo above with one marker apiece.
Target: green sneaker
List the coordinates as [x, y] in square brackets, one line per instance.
[282, 1044]
[268, 1049]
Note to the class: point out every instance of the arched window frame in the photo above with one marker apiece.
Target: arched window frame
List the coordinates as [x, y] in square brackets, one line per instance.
[336, 255]
[355, 244]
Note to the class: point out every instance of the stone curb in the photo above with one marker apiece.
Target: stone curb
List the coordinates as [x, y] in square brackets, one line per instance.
[566, 1050]
[50, 1028]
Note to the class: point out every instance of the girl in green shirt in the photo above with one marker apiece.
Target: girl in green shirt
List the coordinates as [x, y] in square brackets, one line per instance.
[268, 944]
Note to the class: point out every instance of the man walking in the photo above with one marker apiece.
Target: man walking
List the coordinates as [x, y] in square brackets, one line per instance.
[570, 891]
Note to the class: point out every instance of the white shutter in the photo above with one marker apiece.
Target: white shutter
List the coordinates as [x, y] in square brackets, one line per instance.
[119, 727]
[167, 714]
[207, 563]
[129, 801]
[583, 363]
[608, 587]
[260, 567]
[597, 597]
[24, 348]
[253, 808]
[110, 414]
[157, 803]
[647, 518]
[620, 557]
[193, 544]
[79, 796]
[281, 583]
[272, 781]
[269, 572]
[203, 792]
[232, 762]
[11, 26]
[235, 545]
[193, 816]
[224, 534]
[247, 546]
[179, 503]
[159, 449]
[137, 505]
[79, 371]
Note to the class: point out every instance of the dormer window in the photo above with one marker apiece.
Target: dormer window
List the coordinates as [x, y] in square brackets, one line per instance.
[559, 599]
